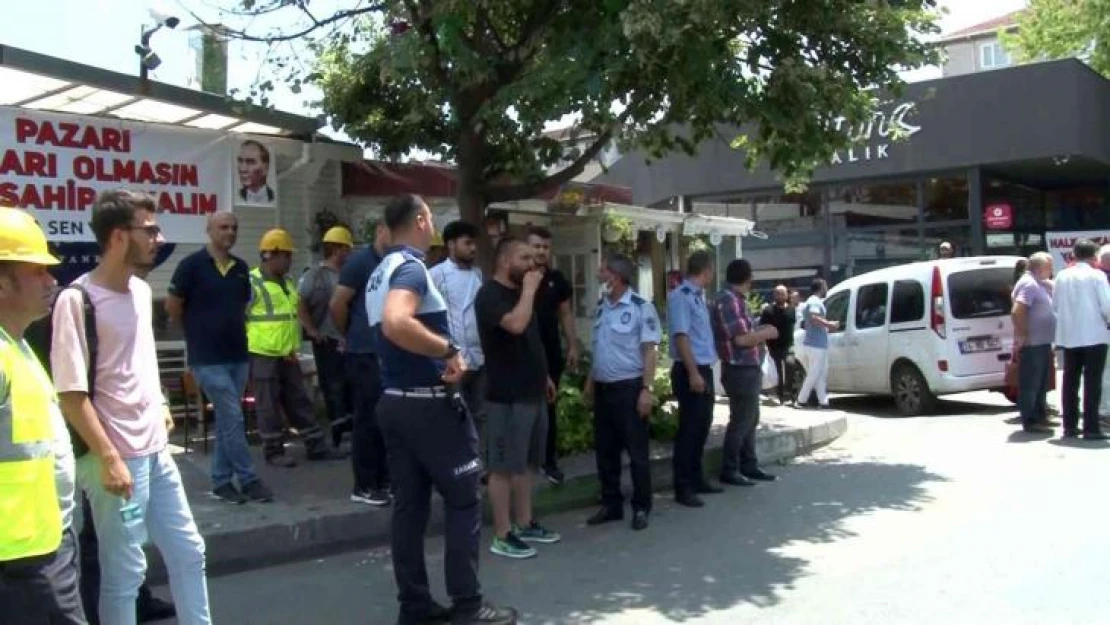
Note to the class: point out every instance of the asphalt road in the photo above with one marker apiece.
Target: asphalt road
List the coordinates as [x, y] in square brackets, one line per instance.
[947, 519]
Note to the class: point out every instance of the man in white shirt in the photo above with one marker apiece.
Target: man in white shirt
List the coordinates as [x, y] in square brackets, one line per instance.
[458, 280]
[1082, 304]
[1104, 405]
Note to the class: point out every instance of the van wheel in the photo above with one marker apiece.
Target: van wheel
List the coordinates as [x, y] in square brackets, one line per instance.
[912, 396]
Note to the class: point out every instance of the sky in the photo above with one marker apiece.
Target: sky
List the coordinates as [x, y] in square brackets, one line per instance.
[103, 33]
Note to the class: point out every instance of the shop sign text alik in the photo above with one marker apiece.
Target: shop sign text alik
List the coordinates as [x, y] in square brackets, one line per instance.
[871, 140]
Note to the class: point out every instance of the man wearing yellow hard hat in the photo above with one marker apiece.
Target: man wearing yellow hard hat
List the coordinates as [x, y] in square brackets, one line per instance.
[38, 546]
[315, 289]
[273, 340]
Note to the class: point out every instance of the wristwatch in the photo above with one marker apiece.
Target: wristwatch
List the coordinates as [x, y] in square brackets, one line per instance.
[452, 349]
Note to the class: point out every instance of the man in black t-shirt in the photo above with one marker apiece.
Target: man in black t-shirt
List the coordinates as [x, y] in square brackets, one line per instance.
[516, 402]
[781, 314]
[553, 311]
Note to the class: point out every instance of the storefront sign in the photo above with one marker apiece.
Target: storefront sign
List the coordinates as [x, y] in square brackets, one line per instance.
[56, 165]
[1060, 244]
[998, 216]
[871, 140]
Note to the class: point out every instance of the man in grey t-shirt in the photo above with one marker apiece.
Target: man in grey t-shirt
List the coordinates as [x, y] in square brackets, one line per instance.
[315, 289]
[815, 345]
[1034, 330]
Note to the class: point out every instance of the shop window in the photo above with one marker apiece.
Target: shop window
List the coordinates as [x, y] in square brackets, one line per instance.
[908, 303]
[887, 204]
[870, 250]
[1026, 204]
[871, 306]
[1077, 208]
[786, 211]
[836, 309]
[959, 236]
[946, 199]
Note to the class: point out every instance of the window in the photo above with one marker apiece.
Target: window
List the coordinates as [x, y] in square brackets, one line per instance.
[871, 306]
[908, 303]
[836, 309]
[992, 55]
[887, 204]
[573, 267]
[981, 293]
[946, 199]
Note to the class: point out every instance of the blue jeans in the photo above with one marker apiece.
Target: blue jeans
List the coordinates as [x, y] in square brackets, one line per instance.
[223, 385]
[166, 519]
[1033, 363]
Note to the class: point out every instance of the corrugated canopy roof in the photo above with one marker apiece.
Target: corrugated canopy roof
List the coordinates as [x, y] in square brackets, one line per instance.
[36, 81]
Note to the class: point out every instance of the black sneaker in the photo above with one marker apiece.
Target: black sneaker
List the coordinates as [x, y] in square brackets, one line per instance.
[485, 614]
[371, 496]
[436, 614]
[258, 492]
[230, 494]
[554, 475]
[150, 609]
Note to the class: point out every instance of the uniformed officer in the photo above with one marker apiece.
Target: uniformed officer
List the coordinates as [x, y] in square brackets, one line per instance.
[429, 433]
[693, 353]
[620, 387]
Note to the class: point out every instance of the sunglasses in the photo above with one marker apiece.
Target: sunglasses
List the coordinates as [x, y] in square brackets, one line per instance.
[151, 231]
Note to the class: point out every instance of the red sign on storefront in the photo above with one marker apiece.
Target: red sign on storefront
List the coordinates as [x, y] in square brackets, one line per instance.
[999, 216]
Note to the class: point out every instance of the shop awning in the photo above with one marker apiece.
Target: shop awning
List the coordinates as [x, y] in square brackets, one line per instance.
[725, 226]
[36, 81]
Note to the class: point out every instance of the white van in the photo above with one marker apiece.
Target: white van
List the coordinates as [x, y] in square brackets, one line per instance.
[921, 330]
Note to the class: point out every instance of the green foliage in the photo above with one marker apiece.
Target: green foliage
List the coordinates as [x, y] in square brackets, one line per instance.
[1057, 29]
[576, 429]
[755, 302]
[476, 82]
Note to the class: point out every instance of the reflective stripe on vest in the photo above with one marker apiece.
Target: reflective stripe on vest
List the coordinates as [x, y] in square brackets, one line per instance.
[272, 326]
[30, 515]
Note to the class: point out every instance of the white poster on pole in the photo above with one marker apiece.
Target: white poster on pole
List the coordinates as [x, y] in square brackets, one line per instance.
[56, 164]
[1060, 244]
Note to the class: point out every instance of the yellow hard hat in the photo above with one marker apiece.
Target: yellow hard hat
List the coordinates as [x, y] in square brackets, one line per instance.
[276, 240]
[340, 235]
[21, 238]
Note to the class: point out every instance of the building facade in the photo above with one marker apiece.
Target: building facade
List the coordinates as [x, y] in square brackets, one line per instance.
[991, 162]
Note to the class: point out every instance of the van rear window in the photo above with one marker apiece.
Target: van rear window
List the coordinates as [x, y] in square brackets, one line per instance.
[980, 293]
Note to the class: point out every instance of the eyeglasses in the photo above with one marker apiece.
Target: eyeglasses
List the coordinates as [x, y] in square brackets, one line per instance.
[151, 231]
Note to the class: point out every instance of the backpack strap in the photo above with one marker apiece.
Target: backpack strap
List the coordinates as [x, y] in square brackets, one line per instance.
[80, 448]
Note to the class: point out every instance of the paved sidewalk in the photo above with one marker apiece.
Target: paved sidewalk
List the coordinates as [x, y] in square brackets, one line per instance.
[312, 515]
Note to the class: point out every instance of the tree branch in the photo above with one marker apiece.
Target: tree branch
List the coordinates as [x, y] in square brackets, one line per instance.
[338, 16]
[421, 16]
[525, 190]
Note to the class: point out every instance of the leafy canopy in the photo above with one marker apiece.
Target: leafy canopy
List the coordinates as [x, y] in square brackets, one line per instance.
[1058, 29]
[477, 80]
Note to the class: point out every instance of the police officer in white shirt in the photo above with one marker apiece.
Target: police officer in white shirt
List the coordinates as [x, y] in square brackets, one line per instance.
[1081, 300]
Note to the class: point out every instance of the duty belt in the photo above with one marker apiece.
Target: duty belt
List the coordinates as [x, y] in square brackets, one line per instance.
[421, 392]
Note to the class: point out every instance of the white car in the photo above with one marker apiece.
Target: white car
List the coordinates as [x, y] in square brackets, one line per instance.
[921, 330]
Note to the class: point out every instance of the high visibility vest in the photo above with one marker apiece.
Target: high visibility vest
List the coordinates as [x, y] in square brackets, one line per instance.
[30, 515]
[272, 326]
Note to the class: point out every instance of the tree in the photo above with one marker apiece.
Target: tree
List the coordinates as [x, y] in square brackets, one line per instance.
[1059, 29]
[476, 81]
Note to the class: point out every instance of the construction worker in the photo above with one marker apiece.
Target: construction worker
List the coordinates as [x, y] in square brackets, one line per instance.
[38, 545]
[273, 339]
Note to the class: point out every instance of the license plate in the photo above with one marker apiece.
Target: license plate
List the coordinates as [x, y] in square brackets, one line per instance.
[980, 344]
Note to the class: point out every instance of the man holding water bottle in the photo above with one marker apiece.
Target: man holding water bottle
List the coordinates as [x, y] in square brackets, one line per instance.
[132, 483]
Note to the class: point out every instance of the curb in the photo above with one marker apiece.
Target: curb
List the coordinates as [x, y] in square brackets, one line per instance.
[320, 531]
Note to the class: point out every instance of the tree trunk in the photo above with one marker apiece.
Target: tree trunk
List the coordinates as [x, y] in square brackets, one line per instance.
[472, 209]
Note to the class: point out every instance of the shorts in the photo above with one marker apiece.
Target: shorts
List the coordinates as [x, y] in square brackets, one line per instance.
[517, 435]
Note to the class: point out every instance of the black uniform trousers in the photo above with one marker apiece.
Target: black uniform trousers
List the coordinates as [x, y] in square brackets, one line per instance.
[1083, 364]
[368, 455]
[432, 443]
[42, 590]
[695, 416]
[555, 368]
[619, 427]
[334, 384]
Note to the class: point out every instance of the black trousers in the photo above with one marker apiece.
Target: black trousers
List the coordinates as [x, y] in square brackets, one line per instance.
[332, 374]
[785, 368]
[695, 416]
[368, 455]
[555, 371]
[1086, 364]
[431, 443]
[742, 384]
[618, 427]
[42, 590]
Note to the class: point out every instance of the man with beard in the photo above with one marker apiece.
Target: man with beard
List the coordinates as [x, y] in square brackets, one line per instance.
[517, 403]
[458, 280]
[209, 294]
[782, 316]
[553, 311]
[132, 483]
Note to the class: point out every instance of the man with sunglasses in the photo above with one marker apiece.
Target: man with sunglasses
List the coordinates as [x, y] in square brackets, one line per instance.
[209, 294]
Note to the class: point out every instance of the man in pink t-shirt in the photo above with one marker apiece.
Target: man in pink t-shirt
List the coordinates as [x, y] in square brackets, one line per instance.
[132, 483]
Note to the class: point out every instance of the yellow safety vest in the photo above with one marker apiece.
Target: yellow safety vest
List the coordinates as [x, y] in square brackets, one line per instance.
[30, 516]
[272, 326]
